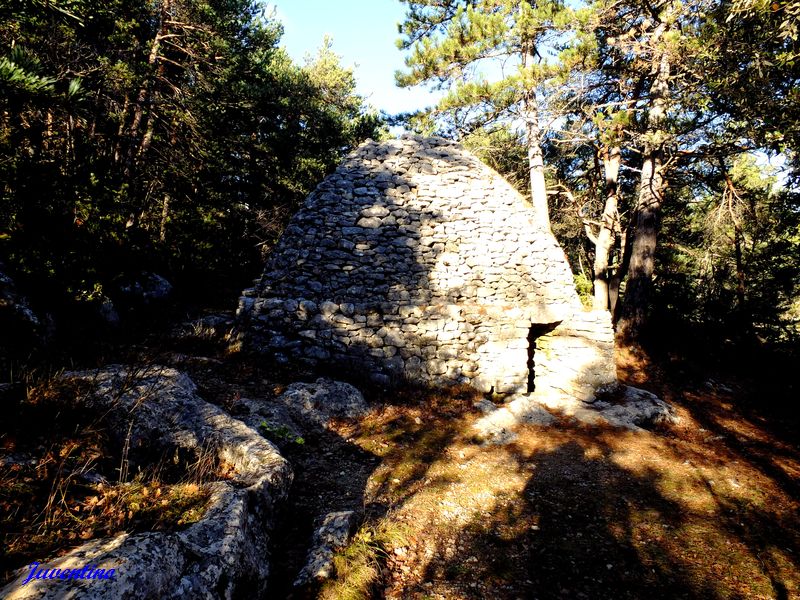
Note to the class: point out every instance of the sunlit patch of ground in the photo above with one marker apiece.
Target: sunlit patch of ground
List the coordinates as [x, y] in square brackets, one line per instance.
[707, 509]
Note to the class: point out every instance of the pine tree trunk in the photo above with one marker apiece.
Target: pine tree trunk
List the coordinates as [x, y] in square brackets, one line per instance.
[605, 237]
[146, 89]
[118, 150]
[536, 167]
[743, 315]
[162, 231]
[642, 263]
[535, 154]
[636, 302]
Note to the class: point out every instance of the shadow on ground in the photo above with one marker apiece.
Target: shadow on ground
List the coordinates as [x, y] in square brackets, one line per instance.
[580, 512]
[705, 509]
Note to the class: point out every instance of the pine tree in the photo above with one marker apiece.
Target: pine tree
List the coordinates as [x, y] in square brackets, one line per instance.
[493, 57]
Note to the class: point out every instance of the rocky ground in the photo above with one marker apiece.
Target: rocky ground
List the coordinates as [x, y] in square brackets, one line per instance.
[702, 508]
[705, 507]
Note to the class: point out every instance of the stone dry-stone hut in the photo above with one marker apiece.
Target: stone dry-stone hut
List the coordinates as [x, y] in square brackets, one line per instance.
[415, 259]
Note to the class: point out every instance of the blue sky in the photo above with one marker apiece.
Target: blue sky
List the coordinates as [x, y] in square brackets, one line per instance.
[364, 34]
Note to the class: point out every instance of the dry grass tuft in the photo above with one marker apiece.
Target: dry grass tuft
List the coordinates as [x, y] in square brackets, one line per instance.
[61, 484]
[360, 564]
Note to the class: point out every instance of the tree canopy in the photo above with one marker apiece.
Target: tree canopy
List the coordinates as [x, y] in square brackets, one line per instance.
[172, 137]
[176, 137]
[652, 121]
[494, 57]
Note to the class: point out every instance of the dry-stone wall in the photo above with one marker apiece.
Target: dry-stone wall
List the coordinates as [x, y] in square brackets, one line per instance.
[415, 259]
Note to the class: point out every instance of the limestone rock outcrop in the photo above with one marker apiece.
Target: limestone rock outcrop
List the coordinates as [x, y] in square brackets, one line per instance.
[324, 400]
[223, 555]
[416, 260]
[22, 328]
[331, 533]
[617, 405]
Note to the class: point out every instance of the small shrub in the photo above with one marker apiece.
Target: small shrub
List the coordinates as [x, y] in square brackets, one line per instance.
[60, 490]
[281, 434]
[585, 289]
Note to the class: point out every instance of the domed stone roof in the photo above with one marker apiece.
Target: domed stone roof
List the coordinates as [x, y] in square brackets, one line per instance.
[418, 221]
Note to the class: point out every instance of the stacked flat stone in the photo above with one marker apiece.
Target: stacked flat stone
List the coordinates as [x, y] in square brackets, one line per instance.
[414, 259]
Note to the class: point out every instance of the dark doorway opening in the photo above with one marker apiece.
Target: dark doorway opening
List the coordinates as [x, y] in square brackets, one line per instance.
[536, 331]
